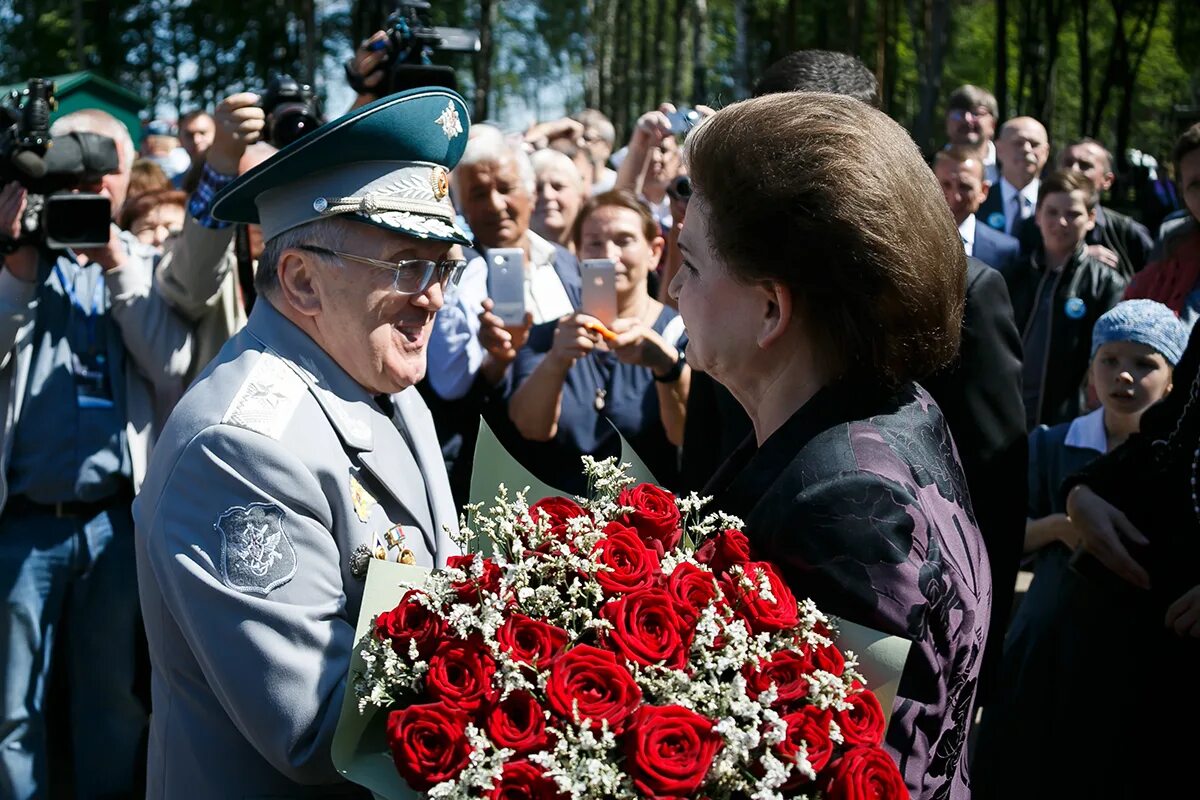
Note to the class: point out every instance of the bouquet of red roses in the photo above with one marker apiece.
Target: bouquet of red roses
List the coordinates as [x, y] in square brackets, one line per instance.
[596, 654]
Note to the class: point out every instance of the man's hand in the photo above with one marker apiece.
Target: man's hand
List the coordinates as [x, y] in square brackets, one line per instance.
[112, 255]
[1103, 531]
[500, 341]
[540, 135]
[365, 63]
[1105, 256]
[1183, 616]
[240, 122]
[22, 262]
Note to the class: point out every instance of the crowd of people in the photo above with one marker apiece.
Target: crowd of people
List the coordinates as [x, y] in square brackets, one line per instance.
[913, 379]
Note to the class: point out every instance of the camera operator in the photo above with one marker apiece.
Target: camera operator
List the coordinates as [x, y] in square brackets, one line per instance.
[206, 273]
[89, 350]
[652, 159]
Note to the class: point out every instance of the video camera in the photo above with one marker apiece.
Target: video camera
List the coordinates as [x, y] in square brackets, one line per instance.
[292, 110]
[49, 169]
[411, 43]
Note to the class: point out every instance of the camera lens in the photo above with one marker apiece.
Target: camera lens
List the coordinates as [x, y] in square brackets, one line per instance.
[680, 188]
[291, 125]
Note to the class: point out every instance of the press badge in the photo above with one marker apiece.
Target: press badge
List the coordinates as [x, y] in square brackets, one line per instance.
[93, 389]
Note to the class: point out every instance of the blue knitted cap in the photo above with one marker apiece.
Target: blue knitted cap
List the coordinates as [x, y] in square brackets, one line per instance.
[1145, 322]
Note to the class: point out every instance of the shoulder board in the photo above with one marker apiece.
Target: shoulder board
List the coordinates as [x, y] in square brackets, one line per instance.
[267, 398]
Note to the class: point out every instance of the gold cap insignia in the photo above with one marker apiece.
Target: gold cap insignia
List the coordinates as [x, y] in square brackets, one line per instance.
[440, 182]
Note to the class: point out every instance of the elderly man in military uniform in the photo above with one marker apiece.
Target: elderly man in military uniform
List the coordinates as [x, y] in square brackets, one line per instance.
[299, 454]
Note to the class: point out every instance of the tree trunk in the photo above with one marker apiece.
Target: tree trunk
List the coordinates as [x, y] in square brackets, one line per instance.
[312, 42]
[591, 61]
[741, 49]
[881, 49]
[700, 52]
[659, 68]
[930, 23]
[483, 61]
[857, 11]
[891, 56]
[645, 83]
[625, 66]
[1085, 68]
[1043, 105]
[1001, 81]
[791, 22]
[681, 8]
[77, 20]
[1129, 81]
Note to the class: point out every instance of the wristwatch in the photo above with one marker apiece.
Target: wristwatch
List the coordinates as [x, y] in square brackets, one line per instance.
[672, 375]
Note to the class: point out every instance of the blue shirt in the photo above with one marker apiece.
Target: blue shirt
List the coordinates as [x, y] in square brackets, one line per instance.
[70, 442]
[599, 390]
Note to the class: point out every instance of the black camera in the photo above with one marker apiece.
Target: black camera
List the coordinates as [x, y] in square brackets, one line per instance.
[412, 41]
[680, 188]
[292, 110]
[50, 169]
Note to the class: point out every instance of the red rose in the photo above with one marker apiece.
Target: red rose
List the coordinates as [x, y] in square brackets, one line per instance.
[556, 511]
[518, 722]
[809, 725]
[531, 641]
[863, 722]
[692, 589]
[789, 671]
[428, 743]
[411, 621]
[828, 657]
[460, 674]
[523, 780]
[749, 601]
[669, 749]
[470, 589]
[594, 680]
[722, 551]
[654, 514]
[864, 773]
[646, 629]
[632, 565]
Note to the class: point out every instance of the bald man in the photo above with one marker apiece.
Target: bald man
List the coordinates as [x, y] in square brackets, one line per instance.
[1022, 149]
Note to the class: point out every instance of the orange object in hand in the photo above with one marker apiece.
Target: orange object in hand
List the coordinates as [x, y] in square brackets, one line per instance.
[603, 331]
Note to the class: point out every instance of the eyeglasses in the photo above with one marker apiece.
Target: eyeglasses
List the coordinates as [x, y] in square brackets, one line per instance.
[959, 114]
[412, 276]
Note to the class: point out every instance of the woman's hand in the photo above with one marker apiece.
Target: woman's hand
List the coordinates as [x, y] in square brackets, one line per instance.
[1183, 616]
[573, 339]
[638, 344]
[22, 262]
[1103, 532]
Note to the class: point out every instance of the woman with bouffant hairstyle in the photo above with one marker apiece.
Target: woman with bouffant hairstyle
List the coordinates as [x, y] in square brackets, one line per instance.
[822, 277]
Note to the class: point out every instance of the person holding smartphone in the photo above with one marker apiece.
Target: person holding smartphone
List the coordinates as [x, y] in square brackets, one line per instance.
[578, 374]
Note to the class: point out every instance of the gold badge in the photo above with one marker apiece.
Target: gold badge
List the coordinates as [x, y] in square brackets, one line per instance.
[361, 499]
[440, 182]
[407, 557]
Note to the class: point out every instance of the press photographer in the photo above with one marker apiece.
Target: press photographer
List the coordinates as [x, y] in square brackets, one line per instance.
[401, 55]
[88, 347]
[291, 109]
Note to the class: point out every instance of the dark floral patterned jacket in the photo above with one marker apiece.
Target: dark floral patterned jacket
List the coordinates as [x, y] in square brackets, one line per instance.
[859, 498]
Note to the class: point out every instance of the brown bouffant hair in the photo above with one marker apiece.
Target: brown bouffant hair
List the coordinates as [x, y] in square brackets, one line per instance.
[831, 198]
[622, 198]
[140, 206]
[1067, 181]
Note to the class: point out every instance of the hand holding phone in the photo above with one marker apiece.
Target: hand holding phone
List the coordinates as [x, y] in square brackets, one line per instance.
[506, 284]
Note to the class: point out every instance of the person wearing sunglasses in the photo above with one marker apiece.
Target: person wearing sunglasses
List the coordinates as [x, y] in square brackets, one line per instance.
[301, 453]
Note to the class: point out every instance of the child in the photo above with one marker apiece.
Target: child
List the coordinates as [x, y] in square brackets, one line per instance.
[1134, 350]
[1058, 293]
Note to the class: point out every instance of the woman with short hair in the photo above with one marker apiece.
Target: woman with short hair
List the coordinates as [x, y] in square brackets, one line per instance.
[822, 277]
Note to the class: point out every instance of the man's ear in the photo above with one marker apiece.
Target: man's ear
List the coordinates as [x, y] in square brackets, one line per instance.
[777, 313]
[985, 187]
[297, 273]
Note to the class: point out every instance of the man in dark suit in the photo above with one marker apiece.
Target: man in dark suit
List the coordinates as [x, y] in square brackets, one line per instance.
[1117, 240]
[1023, 148]
[980, 393]
[960, 173]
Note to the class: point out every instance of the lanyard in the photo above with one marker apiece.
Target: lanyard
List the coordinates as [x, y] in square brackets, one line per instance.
[97, 302]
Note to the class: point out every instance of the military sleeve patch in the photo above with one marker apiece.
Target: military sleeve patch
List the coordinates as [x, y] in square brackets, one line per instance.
[267, 398]
[256, 553]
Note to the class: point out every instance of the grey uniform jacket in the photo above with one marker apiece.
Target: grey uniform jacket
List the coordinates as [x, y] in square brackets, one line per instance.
[272, 470]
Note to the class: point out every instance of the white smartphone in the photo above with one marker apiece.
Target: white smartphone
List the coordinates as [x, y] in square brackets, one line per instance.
[506, 283]
[599, 289]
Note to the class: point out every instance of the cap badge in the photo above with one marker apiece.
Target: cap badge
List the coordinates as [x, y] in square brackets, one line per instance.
[320, 204]
[440, 182]
[451, 125]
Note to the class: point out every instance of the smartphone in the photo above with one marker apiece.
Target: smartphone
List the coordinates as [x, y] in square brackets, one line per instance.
[599, 289]
[506, 283]
[683, 120]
